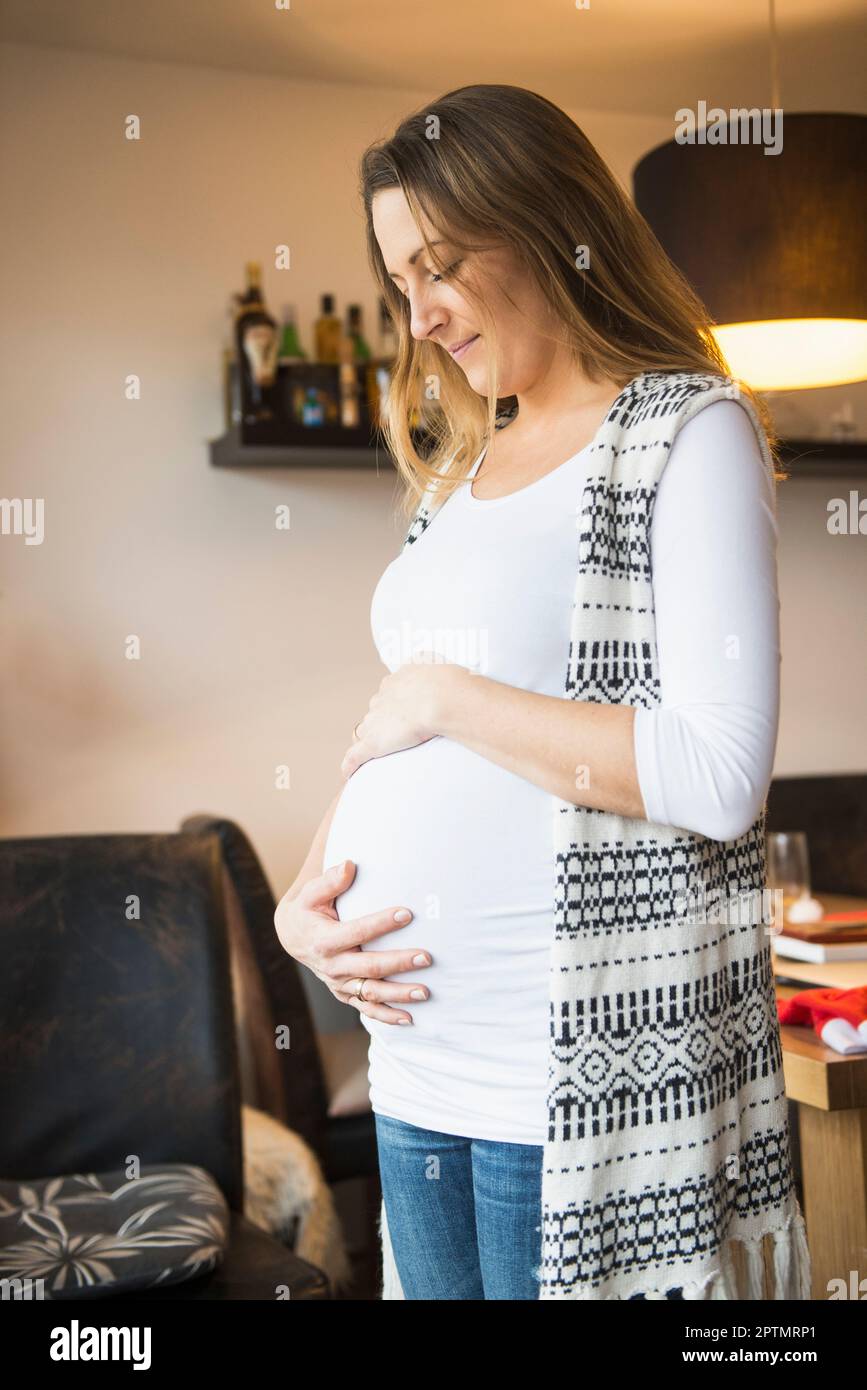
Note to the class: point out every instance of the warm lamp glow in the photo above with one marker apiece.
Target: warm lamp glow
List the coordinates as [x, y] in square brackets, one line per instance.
[772, 244]
[794, 354]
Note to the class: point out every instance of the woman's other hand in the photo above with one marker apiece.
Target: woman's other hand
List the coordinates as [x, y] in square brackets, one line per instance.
[310, 931]
[404, 712]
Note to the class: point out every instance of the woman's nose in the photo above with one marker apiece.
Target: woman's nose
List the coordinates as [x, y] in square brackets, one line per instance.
[425, 316]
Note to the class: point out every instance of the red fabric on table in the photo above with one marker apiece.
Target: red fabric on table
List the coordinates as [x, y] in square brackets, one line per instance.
[817, 1006]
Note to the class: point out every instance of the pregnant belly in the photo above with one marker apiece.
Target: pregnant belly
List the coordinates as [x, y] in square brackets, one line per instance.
[467, 847]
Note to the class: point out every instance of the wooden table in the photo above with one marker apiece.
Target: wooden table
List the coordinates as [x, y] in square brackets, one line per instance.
[831, 1094]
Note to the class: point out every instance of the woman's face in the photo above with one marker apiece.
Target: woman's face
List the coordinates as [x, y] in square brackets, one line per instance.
[440, 311]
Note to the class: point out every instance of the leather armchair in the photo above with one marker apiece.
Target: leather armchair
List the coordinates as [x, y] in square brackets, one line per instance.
[118, 1033]
[296, 1084]
[317, 1086]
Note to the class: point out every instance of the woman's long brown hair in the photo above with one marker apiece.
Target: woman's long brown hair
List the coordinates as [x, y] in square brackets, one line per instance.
[500, 165]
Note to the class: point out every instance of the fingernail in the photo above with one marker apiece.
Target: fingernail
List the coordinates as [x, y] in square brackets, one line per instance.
[402, 915]
[421, 960]
[404, 1020]
[417, 994]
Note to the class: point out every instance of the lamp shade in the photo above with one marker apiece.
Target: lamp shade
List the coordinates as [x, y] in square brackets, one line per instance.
[773, 243]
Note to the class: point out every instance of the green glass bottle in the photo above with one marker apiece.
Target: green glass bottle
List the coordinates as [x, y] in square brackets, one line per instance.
[360, 351]
[290, 347]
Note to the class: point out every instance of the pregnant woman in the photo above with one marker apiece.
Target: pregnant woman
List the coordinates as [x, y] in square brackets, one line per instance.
[542, 883]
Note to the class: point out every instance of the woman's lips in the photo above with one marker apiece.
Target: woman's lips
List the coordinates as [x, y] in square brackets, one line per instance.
[458, 352]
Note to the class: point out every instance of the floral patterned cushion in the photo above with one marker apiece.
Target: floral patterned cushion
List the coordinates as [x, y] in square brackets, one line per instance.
[92, 1234]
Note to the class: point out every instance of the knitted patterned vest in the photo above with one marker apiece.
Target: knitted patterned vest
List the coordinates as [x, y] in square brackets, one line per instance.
[667, 1156]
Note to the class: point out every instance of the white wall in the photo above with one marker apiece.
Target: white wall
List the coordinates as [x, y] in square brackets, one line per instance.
[256, 648]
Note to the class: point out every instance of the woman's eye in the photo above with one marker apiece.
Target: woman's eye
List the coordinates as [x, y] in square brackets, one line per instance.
[436, 276]
[450, 270]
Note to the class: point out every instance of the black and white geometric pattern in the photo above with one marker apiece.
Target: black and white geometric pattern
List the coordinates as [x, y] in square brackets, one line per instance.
[420, 523]
[667, 1117]
[638, 1235]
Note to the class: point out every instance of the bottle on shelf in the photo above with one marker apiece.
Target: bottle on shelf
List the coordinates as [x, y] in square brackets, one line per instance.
[378, 381]
[350, 413]
[232, 409]
[256, 348]
[328, 331]
[312, 412]
[387, 334]
[290, 349]
[360, 351]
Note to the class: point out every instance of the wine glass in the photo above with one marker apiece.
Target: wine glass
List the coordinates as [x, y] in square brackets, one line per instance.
[788, 865]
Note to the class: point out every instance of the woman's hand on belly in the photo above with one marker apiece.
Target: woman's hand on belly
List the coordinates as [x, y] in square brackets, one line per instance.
[310, 931]
[402, 713]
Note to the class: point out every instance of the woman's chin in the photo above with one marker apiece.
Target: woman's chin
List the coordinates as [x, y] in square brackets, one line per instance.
[477, 378]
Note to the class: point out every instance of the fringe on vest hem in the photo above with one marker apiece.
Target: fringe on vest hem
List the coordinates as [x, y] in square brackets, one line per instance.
[740, 1280]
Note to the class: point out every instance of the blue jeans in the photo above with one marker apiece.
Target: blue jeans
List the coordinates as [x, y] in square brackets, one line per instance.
[464, 1215]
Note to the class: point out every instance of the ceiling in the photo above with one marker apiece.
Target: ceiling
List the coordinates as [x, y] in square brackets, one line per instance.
[628, 56]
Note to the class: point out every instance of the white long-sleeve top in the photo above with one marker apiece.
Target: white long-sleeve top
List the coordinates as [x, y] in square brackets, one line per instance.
[704, 757]
[467, 845]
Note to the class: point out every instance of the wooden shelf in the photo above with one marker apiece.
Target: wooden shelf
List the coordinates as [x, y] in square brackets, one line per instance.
[331, 447]
[814, 458]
